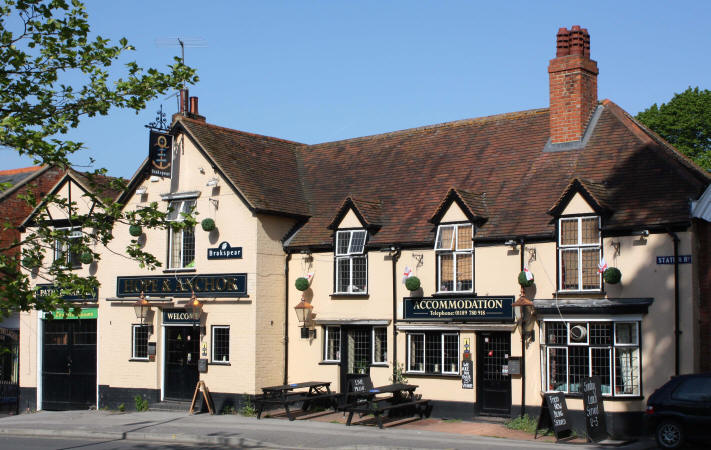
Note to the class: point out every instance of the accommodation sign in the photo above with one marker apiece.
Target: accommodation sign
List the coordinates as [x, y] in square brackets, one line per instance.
[224, 251]
[469, 309]
[217, 285]
[160, 152]
[44, 290]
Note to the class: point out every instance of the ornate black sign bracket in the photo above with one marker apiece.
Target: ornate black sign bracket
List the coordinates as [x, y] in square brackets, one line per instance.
[159, 123]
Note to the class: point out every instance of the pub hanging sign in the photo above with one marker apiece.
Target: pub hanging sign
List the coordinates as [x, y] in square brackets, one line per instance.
[217, 285]
[160, 151]
[467, 309]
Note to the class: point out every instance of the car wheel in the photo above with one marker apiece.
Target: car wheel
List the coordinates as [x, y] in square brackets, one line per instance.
[669, 434]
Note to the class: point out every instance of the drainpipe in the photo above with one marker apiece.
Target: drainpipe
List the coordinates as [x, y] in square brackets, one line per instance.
[677, 331]
[286, 316]
[395, 256]
[523, 350]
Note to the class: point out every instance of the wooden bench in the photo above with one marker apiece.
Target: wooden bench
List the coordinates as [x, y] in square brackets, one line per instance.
[377, 407]
[281, 396]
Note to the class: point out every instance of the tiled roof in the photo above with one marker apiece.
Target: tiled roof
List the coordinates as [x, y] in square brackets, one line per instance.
[263, 169]
[367, 211]
[101, 185]
[16, 176]
[594, 193]
[473, 205]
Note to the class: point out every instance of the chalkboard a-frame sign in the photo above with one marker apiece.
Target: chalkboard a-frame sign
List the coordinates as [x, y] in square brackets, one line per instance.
[554, 416]
[594, 413]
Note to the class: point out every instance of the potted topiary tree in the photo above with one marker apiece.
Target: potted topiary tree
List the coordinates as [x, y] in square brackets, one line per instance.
[612, 275]
[135, 230]
[412, 283]
[207, 224]
[302, 283]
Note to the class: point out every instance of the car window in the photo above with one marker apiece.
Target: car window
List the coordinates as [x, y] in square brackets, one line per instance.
[694, 389]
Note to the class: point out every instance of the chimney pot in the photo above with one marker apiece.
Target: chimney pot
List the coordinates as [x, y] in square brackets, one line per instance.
[183, 102]
[194, 105]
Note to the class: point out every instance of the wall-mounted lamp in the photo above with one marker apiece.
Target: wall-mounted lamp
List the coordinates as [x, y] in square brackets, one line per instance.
[511, 243]
[154, 179]
[141, 307]
[643, 233]
[195, 308]
[141, 190]
[212, 182]
[303, 313]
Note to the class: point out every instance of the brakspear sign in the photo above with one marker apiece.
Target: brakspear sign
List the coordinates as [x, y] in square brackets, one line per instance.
[217, 285]
[468, 309]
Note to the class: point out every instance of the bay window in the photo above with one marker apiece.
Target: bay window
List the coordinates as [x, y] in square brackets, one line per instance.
[578, 349]
[455, 258]
[579, 247]
[351, 262]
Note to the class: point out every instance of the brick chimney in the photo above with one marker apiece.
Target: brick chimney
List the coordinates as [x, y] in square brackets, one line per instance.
[573, 85]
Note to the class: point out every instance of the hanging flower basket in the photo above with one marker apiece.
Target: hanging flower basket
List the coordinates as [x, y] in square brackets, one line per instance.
[29, 262]
[135, 230]
[612, 275]
[412, 283]
[302, 283]
[523, 281]
[207, 224]
[87, 258]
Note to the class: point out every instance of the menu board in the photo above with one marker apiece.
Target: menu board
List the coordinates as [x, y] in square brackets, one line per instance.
[554, 416]
[594, 412]
[467, 371]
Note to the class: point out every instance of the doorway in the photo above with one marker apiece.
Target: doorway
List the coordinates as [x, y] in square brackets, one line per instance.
[181, 361]
[494, 387]
[356, 354]
[69, 364]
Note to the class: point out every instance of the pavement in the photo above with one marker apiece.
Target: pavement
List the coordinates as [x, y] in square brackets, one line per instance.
[309, 430]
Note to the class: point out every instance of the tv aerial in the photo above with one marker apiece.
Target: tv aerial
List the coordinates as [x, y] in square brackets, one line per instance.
[190, 42]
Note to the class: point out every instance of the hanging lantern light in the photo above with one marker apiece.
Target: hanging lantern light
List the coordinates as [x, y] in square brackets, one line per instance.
[524, 306]
[141, 307]
[196, 307]
[303, 311]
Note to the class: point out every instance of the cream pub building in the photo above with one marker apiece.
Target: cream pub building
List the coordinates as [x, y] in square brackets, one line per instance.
[463, 206]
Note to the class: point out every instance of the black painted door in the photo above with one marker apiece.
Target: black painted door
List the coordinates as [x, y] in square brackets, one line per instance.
[356, 353]
[69, 364]
[493, 350]
[181, 361]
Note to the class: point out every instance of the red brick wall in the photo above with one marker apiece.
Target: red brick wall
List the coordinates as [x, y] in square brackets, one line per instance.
[573, 86]
[702, 266]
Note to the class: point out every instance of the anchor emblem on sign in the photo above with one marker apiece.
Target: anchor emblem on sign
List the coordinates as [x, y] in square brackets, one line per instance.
[161, 161]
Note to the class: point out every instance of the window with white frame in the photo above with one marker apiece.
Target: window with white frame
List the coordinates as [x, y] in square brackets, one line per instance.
[579, 253]
[220, 343]
[332, 344]
[66, 248]
[380, 345]
[455, 258]
[140, 341]
[578, 349]
[351, 262]
[433, 352]
[181, 242]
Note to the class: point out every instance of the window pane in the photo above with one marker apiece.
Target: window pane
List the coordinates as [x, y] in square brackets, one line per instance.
[380, 345]
[569, 269]
[626, 333]
[333, 344]
[343, 267]
[557, 369]
[433, 352]
[140, 341]
[600, 333]
[694, 389]
[342, 240]
[451, 353]
[578, 363]
[600, 360]
[360, 274]
[627, 371]
[464, 271]
[445, 237]
[591, 276]
[569, 232]
[189, 247]
[359, 350]
[590, 231]
[357, 242]
[176, 245]
[174, 210]
[416, 362]
[446, 272]
[556, 333]
[220, 344]
[464, 237]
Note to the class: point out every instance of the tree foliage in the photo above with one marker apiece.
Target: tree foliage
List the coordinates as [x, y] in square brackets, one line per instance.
[54, 74]
[685, 122]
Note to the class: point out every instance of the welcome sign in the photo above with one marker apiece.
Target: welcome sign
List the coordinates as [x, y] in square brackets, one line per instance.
[217, 285]
[459, 309]
[179, 316]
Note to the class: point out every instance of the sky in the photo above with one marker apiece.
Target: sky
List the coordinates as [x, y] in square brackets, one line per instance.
[323, 70]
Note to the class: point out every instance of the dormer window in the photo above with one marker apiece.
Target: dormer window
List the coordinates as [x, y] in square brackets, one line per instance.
[455, 258]
[351, 262]
[579, 248]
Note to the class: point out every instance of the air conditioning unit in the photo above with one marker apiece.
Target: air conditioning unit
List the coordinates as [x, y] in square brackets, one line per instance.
[578, 333]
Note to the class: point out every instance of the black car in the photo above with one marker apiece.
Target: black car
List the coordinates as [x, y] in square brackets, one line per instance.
[680, 410]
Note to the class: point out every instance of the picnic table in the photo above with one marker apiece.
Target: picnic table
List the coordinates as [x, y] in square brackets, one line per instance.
[401, 397]
[289, 394]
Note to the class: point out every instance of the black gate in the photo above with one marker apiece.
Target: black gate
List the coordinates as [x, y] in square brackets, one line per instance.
[493, 350]
[355, 353]
[181, 361]
[69, 364]
[9, 371]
